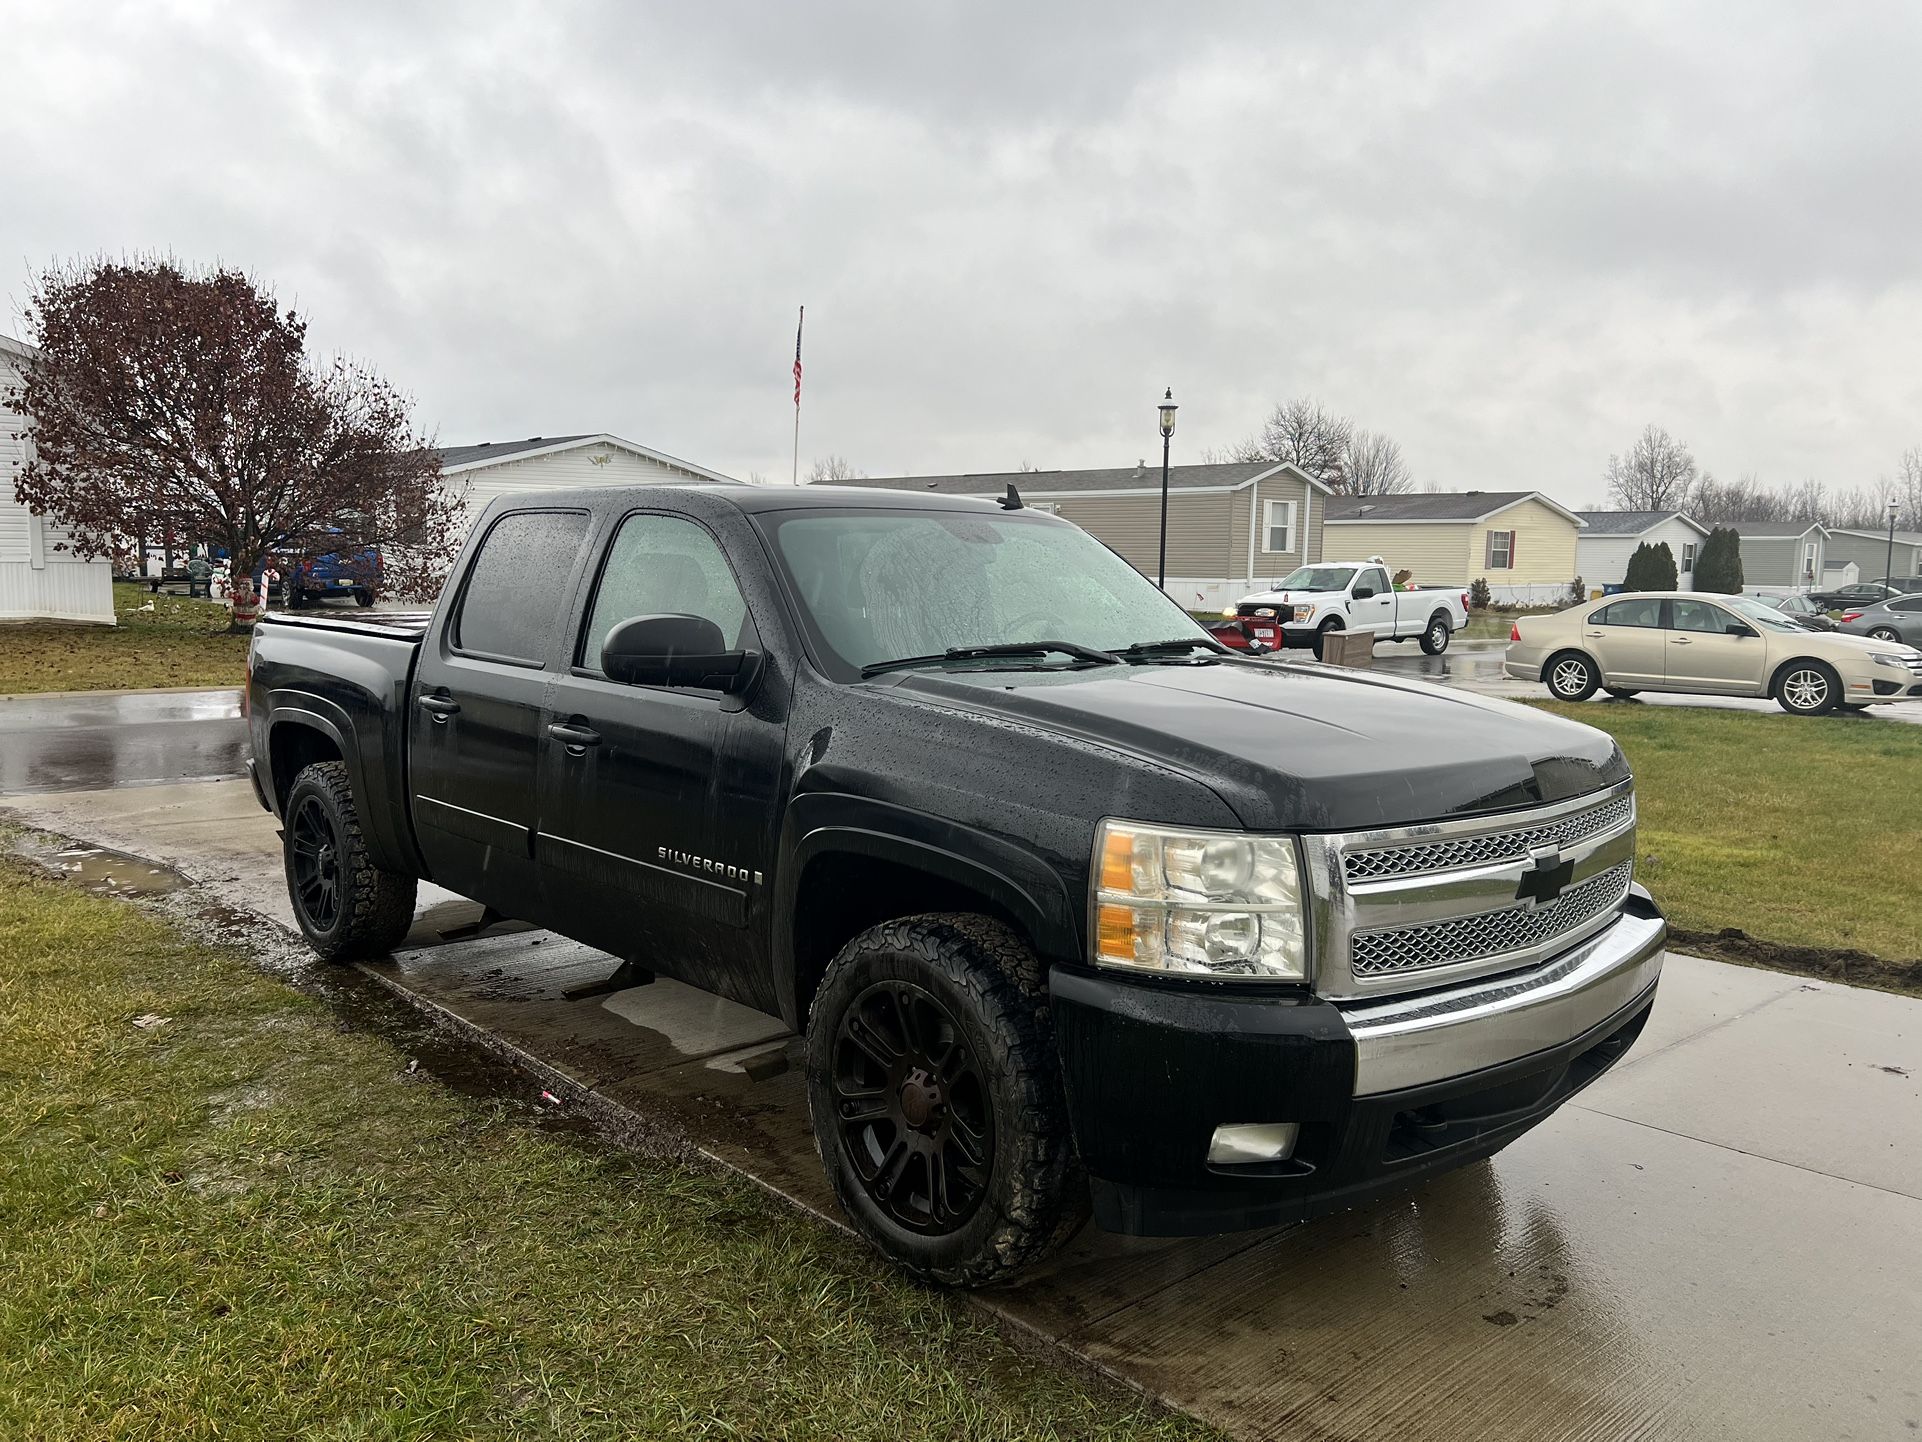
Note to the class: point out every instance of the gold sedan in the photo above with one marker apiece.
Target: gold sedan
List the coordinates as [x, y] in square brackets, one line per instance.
[1707, 645]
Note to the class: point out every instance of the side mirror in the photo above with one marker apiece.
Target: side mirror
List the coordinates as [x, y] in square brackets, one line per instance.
[674, 650]
[1736, 628]
[1362, 593]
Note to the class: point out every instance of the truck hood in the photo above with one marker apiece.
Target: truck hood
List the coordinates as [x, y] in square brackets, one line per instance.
[1303, 747]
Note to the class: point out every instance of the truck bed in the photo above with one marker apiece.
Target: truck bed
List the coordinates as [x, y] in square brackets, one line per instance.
[392, 625]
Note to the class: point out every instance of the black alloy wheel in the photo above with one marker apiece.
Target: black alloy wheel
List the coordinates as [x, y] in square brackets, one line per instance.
[912, 1107]
[315, 864]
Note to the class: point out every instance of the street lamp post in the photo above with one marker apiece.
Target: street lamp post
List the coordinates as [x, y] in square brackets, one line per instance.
[1888, 562]
[1167, 408]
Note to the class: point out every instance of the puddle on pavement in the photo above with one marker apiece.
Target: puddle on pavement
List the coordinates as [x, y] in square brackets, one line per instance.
[112, 873]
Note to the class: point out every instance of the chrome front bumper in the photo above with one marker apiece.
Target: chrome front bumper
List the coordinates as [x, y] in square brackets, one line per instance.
[1436, 1035]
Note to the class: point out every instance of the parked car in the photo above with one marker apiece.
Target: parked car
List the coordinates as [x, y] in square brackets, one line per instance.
[1798, 608]
[1860, 593]
[1907, 585]
[1720, 646]
[1313, 600]
[355, 574]
[1897, 619]
[1073, 906]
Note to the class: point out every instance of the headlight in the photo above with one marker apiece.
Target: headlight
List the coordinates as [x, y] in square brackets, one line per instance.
[1199, 903]
[1884, 658]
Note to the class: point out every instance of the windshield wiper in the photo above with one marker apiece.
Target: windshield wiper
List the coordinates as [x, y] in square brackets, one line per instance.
[1169, 648]
[1009, 648]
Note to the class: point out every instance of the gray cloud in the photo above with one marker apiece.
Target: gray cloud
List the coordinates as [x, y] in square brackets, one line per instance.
[1506, 236]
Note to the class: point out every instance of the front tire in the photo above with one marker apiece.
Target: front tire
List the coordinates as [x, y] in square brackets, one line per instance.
[348, 908]
[936, 1100]
[1621, 693]
[1571, 676]
[1808, 688]
[1322, 634]
[1434, 640]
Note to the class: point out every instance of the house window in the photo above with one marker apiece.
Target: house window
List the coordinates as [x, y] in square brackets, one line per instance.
[1808, 561]
[1688, 557]
[1280, 530]
[1501, 550]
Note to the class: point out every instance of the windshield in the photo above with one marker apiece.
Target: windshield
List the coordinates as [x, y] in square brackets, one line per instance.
[1317, 578]
[879, 585]
[1760, 612]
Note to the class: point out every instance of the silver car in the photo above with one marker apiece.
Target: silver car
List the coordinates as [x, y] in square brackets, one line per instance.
[1897, 619]
[1712, 645]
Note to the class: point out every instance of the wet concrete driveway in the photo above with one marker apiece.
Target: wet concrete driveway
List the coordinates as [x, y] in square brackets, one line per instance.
[91, 739]
[1719, 1239]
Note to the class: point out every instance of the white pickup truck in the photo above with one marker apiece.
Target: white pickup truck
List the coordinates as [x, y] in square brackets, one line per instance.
[1356, 596]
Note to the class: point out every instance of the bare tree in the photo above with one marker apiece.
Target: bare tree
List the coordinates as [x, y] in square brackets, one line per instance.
[182, 401]
[1372, 465]
[1300, 432]
[829, 469]
[1657, 474]
[1908, 488]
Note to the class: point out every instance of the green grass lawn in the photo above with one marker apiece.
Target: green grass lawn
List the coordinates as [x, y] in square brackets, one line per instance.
[160, 641]
[247, 1224]
[1803, 831]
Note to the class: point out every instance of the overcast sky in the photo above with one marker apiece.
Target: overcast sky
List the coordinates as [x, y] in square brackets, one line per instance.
[1507, 235]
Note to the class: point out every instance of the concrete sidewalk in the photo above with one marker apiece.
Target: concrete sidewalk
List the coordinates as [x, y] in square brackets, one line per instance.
[1716, 1240]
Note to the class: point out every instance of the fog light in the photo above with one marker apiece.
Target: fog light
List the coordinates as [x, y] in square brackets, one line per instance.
[1253, 1142]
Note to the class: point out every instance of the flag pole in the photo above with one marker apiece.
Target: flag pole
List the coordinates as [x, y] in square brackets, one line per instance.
[794, 476]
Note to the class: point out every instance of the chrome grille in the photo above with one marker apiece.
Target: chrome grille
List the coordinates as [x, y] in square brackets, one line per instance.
[1471, 938]
[1488, 849]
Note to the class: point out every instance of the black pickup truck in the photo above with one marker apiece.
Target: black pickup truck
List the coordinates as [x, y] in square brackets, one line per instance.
[1075, 907]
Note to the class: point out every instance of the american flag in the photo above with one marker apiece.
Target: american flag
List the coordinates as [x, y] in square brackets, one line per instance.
[797, 356]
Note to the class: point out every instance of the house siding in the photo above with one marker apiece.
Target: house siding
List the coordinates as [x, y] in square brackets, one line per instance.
[40, 579]
[558, 469]
[1603, 560]
[1870, 556]
[1436, 552]
[1544, 552]
[1775, 561]
[1199, 534]
[1308, 540]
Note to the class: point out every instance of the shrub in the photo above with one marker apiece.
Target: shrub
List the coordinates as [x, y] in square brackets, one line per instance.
[1719, 566]
[1479, 596]
[1577, 592]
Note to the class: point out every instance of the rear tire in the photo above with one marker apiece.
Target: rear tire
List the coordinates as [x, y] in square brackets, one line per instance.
[1571, 676]
[348, 908]
[1885, 633]
[1808, 688]
[363, 597]
[936, 1100]
[1434, 640]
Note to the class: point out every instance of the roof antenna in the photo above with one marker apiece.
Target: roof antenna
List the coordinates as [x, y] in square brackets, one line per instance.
[1011, 501]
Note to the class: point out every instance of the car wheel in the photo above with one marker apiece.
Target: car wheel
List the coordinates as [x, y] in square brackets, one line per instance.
[363, 597]
[936, 1099]
[1434, 640]
[1620, 693]
[1808, 688]
[347, 907]
[1884, 633]
[1571, 676]
[1322, 634]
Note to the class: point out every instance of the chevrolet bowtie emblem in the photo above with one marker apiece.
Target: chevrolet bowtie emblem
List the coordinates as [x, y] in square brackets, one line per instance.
[1545, 878]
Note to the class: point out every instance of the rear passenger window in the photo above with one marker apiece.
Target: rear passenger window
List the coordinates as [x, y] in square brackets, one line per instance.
[517, 587]
[1629, 613]
[663, 565]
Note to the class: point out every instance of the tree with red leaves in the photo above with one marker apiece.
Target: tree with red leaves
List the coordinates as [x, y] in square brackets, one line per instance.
[166, 400]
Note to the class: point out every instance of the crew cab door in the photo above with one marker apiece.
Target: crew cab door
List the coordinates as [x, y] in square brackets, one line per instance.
[474, 734]
[1703, 655]
[1627, 638]
[1371, 602]
[657, 832]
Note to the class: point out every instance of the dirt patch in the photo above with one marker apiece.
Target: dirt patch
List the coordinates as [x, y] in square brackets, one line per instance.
[1857, 968]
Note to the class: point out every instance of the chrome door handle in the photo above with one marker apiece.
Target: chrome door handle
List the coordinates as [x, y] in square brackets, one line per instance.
[439, 707]
[1680, 641]
[576, 738]
[1595, 635]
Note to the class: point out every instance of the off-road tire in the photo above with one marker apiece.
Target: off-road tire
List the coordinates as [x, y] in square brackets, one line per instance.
[1322, 632]
[375, 907]
[1434, 640]
[1621, 693]
[1561, 680]
[1796, 693]
[995, 992]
